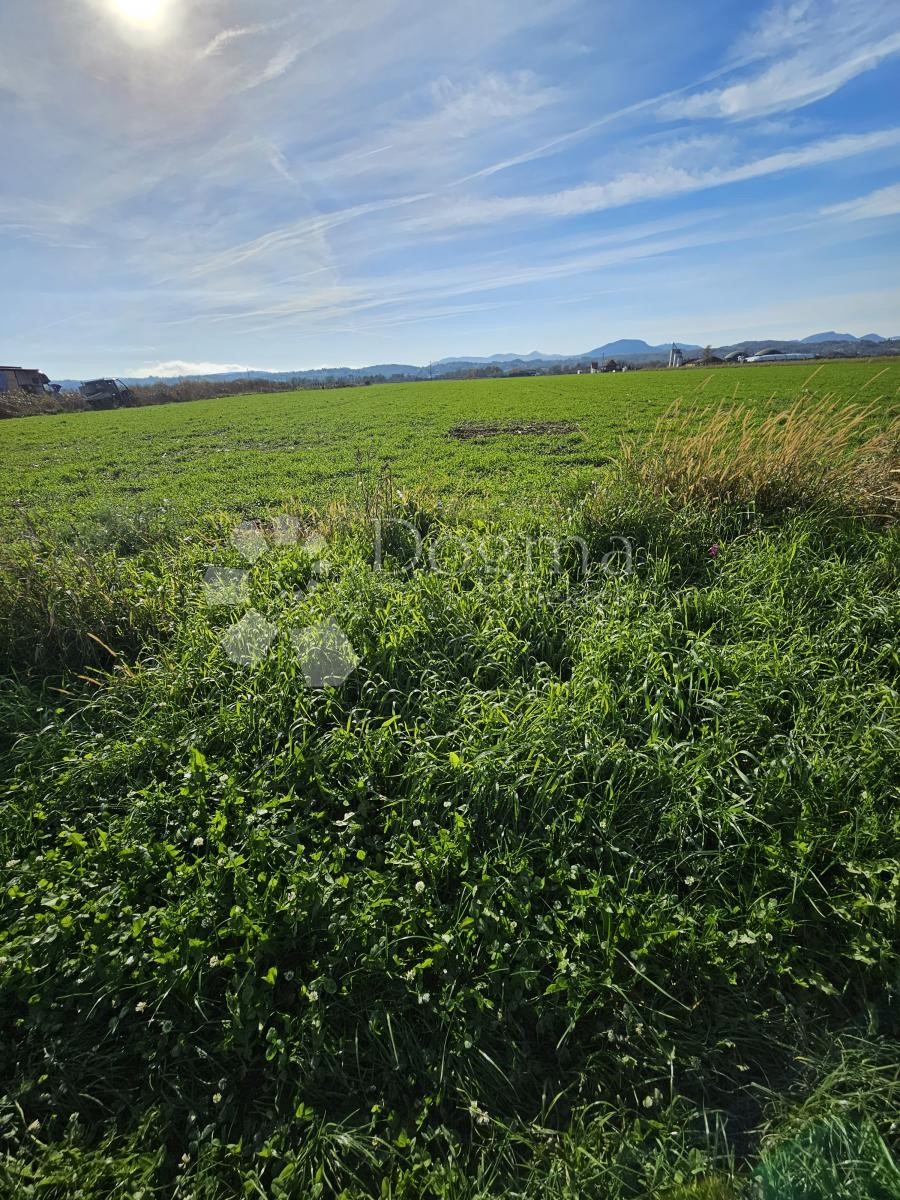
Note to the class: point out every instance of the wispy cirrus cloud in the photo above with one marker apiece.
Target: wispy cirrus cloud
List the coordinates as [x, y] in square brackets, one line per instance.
[812, 51]
[279, 64]
[789, 84]
[414, 295]
[657, 183]
[227, 36]
[458, 118]
[885, 202]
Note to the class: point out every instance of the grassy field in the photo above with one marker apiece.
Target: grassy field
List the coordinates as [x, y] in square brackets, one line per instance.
[243, 454]
[579, 878]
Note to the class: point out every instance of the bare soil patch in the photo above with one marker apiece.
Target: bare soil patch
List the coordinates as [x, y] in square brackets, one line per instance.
[488, 429]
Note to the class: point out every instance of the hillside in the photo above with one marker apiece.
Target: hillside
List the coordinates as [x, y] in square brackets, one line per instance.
[630, 350]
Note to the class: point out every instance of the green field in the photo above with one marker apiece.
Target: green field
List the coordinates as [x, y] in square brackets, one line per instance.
[244, 453]
[572, 871]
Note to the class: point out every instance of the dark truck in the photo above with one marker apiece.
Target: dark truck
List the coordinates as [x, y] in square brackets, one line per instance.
[106, 393]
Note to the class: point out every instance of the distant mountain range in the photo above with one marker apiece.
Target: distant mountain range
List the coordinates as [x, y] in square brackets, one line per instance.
[831, 336]
[533, 356]
[632, 350]
[625, 346]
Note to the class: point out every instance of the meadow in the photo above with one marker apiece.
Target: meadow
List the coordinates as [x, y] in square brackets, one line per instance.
[243, 454]
[579, 879]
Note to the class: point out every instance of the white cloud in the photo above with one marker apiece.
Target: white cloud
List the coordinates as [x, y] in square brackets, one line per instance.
[885, 202]
[393, 300]
[277, 66]
[459, 122]
[812, 50]
[792, 83]
[169, 370]
[298, 234]
[221, 40]
[636, 186]
[782, 24]
[493, 97]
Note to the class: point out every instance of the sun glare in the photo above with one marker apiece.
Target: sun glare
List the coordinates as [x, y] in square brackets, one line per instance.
[144, 14]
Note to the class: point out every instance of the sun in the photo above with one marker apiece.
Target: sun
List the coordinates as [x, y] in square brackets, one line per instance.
[145, 14]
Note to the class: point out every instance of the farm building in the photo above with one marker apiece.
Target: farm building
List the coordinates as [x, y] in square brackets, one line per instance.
[22, 379]
[777, 356]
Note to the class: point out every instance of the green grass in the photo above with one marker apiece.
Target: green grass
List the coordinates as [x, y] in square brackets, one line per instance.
[583, 884]
[246, 453]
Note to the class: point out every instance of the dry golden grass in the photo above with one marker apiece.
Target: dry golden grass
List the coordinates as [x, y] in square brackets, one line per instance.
[822, 454]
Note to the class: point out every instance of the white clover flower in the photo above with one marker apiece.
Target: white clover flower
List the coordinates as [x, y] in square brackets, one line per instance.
[197, 842]
[417, 824]
[217, 1098]
[215, 960]
[420, 887]
[313, 997]
[140, 1006]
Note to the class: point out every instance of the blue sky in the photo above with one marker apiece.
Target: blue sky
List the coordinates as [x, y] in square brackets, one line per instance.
[195, 184]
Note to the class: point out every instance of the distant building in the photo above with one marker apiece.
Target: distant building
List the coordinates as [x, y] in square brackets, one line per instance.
[23, 379]
[777, 356]
[676, 356]
[595, 368]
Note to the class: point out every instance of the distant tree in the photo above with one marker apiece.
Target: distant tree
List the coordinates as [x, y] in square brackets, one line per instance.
[707, 354]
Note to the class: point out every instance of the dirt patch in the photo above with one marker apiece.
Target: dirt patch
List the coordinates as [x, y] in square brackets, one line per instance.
[488, 429]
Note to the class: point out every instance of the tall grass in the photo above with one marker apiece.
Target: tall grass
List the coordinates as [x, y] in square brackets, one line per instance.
[822, 454]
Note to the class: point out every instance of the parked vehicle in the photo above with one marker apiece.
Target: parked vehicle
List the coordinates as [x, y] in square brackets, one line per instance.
[106, 393]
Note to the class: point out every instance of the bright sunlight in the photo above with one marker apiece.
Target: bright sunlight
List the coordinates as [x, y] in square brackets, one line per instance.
[144, 14]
